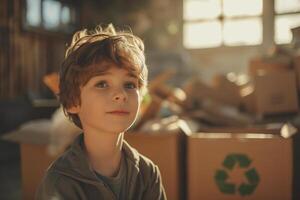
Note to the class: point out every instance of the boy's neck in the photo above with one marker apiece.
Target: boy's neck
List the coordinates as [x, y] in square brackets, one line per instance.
[104, 151]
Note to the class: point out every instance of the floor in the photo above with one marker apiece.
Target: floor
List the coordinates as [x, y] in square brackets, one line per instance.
[10, 174]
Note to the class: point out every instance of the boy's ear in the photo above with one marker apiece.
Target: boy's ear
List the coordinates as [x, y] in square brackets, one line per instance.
[74, 109]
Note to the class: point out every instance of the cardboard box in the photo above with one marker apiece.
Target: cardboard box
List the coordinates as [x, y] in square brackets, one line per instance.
[34, 163]
[296, 65]
[276, 64]
[227, 91]
[167, 151]
[275, 93]
[239, 166]
[271, 128]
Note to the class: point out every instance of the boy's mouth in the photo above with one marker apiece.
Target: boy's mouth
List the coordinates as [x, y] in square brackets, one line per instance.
[119, 112]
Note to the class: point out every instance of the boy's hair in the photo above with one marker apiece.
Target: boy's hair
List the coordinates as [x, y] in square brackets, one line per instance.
[86, 54]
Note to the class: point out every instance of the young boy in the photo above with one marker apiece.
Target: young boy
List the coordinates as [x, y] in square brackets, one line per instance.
[102, 82]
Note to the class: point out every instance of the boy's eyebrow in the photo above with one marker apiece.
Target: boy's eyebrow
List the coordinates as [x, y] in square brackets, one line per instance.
[132, 75]
[102, 73]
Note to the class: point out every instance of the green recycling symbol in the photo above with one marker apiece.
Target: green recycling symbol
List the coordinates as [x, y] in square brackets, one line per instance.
[221, 175]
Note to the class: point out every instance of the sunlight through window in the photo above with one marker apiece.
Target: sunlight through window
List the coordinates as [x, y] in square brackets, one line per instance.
[51, 13]
[283, 24]
[243, 32]
[195, 9]
[33, 15]
[213, 23]
[205, 34]
[242, 8]
[65, 15]
[287, 17]
[284, 6]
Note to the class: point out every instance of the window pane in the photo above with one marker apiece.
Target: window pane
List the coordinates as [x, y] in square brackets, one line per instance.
[202, 35]
[242, 7]
[51, 14]
[283, 24]
[201, 9]
[243, 32]
[65, 15]
[33, 14]
[283, 6]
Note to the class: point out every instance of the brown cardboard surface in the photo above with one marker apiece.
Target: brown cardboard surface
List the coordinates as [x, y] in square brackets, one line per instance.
[165, 150]
[226, 90]
[276, 93]
[296, 65]
[271, 128]
[34, 163]
[268, 65]
[270, 156]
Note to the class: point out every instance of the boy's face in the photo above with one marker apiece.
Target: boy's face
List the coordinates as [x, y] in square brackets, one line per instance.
[109, 101]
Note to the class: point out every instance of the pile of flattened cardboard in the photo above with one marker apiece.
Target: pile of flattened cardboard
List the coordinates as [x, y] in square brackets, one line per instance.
[270, 87]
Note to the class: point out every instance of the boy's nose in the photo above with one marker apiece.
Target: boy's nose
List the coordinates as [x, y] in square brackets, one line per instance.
[120, 96]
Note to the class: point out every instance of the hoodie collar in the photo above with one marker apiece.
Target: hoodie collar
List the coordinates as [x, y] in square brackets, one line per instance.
[74, 162]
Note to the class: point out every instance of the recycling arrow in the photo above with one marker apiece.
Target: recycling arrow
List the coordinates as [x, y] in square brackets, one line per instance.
[251, 175]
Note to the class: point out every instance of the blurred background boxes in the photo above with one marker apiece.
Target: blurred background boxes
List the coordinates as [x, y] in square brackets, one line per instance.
[270, 64]
[276, 92]
[296, 64]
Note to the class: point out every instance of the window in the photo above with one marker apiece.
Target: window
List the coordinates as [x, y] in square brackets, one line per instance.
[214, 23]
[287, 16]
[49, 15]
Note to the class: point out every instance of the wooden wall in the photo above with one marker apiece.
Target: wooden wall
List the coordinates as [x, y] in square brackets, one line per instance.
[4, 46]
[25, 56]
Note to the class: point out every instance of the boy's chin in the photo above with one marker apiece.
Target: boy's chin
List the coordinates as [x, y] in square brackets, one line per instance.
[117, 130]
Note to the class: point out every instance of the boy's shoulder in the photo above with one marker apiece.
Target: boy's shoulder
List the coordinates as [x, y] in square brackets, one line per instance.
[55, 184]
[60, 169]
[148, 174]
[143, 164]
[65, 174]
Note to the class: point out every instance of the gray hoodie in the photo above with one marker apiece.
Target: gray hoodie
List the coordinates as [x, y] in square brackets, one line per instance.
[71, 177]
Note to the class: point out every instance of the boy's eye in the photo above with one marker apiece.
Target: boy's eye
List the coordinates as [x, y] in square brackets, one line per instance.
[130, 85]
[102, 84]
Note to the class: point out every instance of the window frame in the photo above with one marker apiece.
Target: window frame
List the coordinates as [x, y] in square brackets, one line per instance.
[41, 29]
[274, 25]
[221, 19]
[268, 28]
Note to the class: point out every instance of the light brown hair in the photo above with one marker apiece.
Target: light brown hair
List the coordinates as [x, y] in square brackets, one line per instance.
[89, 49]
